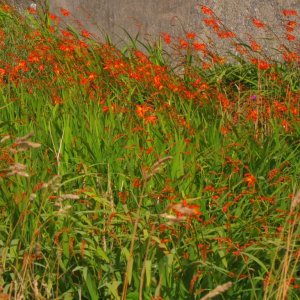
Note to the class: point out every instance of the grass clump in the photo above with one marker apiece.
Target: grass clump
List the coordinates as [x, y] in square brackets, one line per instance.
[125, 175]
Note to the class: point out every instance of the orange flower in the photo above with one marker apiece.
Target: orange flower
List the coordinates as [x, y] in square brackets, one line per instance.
[56, 100]
[290, 37]
[280, 107]
[85, 33]
[224, 130]
[64, 12]
[285, 125]
[183, 43]
[253, 115]
[141, 110]
[52, 17]
[190, 35]
[205, 65]
[6, 8]
[289, 12]
[261, 64]
[2, 72]
[250, 179]
[255, 46]
[167, 38]
[294, 111]
[31, 10]
[290, 56]
[157, 82]
[149, 150]
[258, 23]
[272, 173]
[226, 34]
[291, 25]
[199, 47]
[136, 183]
[150, 119]
[224, 101]
[206, 10]
[240, 49]
[211, 23]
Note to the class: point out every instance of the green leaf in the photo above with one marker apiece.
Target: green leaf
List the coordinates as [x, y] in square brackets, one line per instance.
[102, 254]
[148, 265]
[113, 288]
[257, 260]
[91, 285]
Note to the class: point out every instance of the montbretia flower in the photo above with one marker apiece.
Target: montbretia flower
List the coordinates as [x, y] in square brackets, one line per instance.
[226, 34]
[206, 10]
[255, 46]
[152, 119]
[199, 47]
[64, 12]
[167, 38]
[85, 33]
[258, 23]
[261, 64]
[190, 35]
[183, 43]
[249, 179]
[289, 12]
[290, 37]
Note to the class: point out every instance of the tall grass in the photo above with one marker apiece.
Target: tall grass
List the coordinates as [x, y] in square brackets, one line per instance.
[127, 175]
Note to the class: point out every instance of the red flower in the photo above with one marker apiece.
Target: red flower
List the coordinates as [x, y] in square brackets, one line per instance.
[6, 8]
[52, 17]
[31, 10]
[226, 34]
[250, 179]
[224, 130]
[2, 72]
[290, 56]
[289, 12]
[136, 183]
[261, 64]
[285, 125]
[206, 10]
[85, 33]
[190, 35]
[224, 101]
[290, 37]
[255, 46]
[199, 47]
[141, 110]
[258, 23]
[150, 119]
[64, 12]
[183, 43]
[212, 23]
[253, 115]
[167, 38]
[291, 26]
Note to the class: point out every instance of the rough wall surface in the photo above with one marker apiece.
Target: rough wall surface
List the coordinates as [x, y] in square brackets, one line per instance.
[151, 17]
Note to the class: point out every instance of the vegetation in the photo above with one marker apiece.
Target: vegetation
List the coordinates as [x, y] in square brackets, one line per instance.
[146, 174]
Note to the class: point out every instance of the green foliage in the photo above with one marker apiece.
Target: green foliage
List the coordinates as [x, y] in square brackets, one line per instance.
[121, 179]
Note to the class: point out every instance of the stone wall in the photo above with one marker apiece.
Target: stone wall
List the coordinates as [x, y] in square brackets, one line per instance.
[151, 17]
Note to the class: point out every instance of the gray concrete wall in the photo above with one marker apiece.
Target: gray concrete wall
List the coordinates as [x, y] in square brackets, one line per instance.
[151, 17]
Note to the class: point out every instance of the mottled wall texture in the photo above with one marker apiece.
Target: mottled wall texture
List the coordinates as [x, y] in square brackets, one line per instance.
[151, 17]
